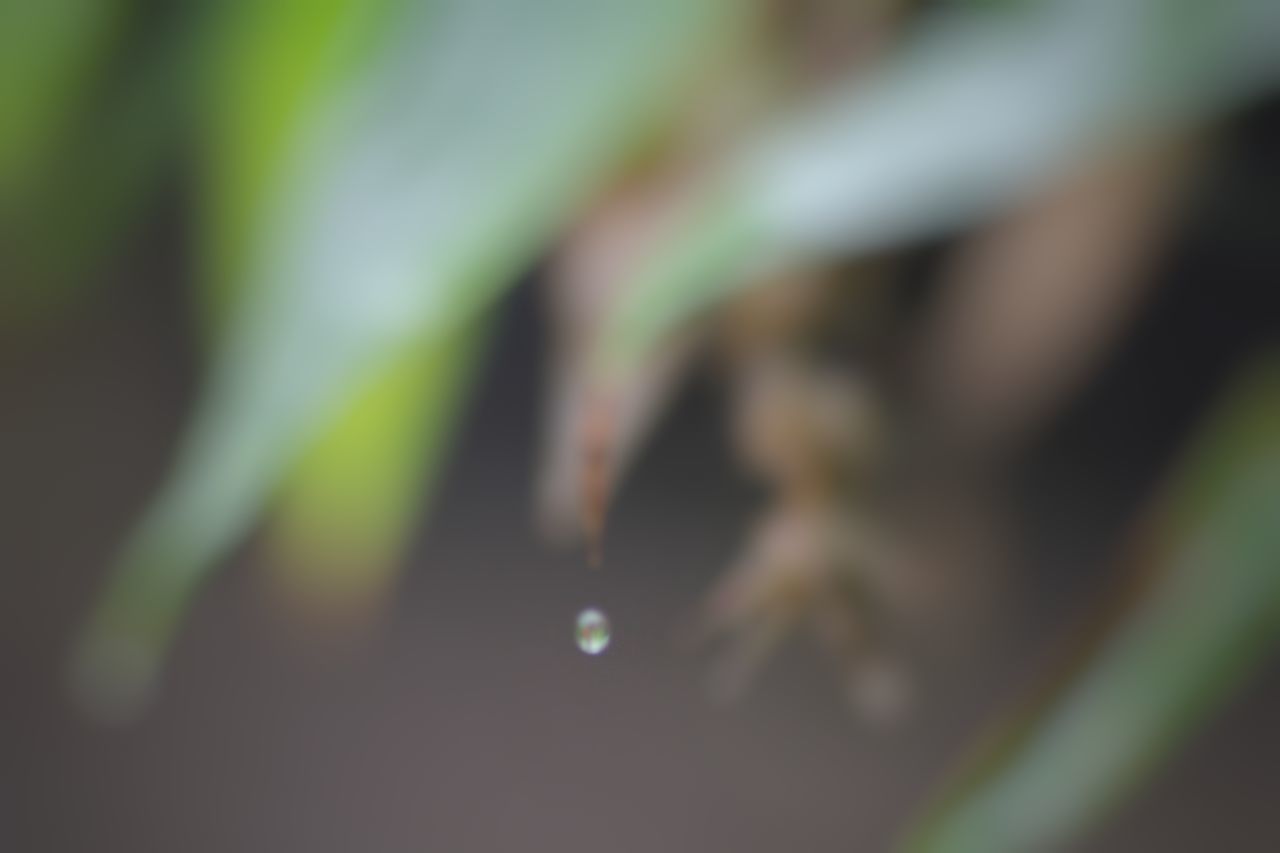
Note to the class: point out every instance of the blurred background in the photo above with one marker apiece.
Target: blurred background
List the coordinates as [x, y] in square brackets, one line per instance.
[900, 380]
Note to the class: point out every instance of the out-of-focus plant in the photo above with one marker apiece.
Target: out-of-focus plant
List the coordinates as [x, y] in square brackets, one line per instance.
[427, 177]
[977, 112]
[372, 174]
[346, 508]
[85, 138]
[1200, 614]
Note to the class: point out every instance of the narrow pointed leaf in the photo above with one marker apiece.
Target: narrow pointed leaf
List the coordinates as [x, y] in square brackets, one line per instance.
[982, 107]
[278, 66]
[346, 508]
[424, 186]
[1206, 618]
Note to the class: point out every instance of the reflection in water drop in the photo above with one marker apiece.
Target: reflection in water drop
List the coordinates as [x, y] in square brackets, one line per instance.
[592, 631]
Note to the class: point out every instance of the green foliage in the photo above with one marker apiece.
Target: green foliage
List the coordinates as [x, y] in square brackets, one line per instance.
[278, 65]
[346, 506]
[372, 174]
[1207, 617]
[981, 108]
[50, 55]
[349, 504]
[90, 118]
[420, 188]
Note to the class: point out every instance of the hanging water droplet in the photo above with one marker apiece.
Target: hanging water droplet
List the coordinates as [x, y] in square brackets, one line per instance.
[592, 631]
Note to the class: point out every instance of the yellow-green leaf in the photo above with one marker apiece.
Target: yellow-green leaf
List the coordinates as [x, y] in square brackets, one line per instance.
[448, 158]
[349, 506]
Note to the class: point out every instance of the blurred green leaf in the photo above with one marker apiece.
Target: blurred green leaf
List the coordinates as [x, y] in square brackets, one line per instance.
[51, 53]
[76, 202]
[424, 184]
[349, 505]
[980, 108]
[1205, 618]
[280, 64]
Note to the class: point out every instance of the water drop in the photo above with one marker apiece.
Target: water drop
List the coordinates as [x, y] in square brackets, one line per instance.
[592, 631]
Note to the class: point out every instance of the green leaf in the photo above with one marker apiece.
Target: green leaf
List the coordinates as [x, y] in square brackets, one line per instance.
[980, 109]
[346, 509]
[1207, 617]
[50, 54]
[351, 502]
[279, 64]
[74, 202]
[424, 185]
